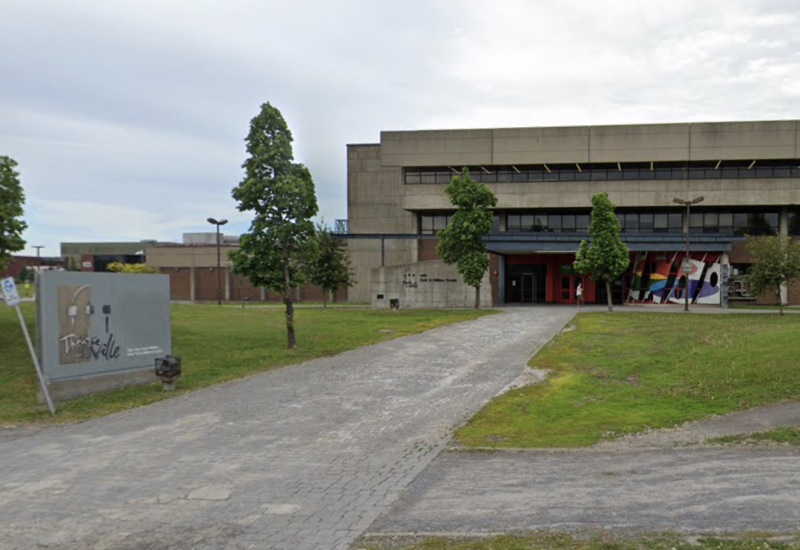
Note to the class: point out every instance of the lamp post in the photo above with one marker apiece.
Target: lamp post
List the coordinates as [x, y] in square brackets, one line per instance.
[212, 221]
[686, 268]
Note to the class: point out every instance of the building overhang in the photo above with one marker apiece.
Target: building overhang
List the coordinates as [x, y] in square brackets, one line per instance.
[568, 243]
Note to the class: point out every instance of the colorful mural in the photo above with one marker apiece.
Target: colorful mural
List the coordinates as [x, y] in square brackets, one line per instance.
[657, 278]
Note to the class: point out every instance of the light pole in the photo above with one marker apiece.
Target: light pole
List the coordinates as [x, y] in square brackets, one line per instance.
[212, 221]
[686, 268]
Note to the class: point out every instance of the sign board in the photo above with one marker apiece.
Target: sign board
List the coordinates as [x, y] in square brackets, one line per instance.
[101, 323]
[10, 293]
[687, 268]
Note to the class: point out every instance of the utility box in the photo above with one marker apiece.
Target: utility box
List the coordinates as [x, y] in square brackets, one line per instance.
[97, 331]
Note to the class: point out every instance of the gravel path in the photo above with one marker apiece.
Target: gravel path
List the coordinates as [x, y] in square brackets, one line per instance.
[302, 457]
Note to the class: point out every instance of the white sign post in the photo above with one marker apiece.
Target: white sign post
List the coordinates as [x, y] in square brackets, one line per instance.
[12, 299]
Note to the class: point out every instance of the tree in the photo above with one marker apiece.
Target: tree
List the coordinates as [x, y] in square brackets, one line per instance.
[330, 265]
[280, 193]
[461, 242]
[606, 257]
[775, 262]
[12, 198]
[117, 267]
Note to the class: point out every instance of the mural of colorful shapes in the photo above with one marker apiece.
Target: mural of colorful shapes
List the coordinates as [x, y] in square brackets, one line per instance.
[636, 283]
[710, 291]
[659, 278]
[676, 295]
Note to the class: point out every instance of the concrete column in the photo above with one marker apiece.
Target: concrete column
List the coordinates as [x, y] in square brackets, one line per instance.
[725, 270]
[227, 277]
[192, 292]
[783, 230]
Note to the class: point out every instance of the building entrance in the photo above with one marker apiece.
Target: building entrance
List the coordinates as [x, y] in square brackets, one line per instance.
[526, 284]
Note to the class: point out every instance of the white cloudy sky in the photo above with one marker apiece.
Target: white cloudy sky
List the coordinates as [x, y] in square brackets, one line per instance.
[127, 117]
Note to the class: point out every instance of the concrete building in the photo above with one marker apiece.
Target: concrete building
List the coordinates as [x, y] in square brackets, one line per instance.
[747, 172]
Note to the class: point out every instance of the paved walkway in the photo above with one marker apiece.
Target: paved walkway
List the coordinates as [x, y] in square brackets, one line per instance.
[302, 457]
[689, 489]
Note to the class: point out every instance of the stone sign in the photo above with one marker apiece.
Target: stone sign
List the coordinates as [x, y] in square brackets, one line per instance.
[95, 325]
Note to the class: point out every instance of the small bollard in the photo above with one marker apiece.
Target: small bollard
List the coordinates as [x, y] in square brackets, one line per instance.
[168, 370]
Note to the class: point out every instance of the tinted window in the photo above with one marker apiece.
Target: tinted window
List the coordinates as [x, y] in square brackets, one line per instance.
[554, 222]
[568, 222]
[676, 222]
[646, 223]
[540, 222]
[582, 222]
[631, 223]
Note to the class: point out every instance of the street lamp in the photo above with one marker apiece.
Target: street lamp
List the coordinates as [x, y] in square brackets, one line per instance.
[686, 268]
[212, 221]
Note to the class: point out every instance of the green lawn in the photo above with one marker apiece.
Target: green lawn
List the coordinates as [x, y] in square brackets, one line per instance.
[216, 344]
[623, 372]
[787, 435]
[604, 541]
[775, 307]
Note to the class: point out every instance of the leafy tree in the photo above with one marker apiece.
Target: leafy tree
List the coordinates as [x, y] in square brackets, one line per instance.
[12, 198]
[775, 262]
[280, 193]
[117, 267]
[606, 257]
[330, 265]
[461, 242]
[26, 275]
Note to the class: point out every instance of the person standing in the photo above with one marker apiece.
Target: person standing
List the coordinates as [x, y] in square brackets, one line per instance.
[579, 294]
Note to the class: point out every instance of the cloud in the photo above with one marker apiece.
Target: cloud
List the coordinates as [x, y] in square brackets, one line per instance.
[128, 117]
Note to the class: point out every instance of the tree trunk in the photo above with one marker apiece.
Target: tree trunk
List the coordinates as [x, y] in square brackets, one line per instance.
[608, 295]
[287, 300]
[780, 299]
[324, 298]
[477, 297]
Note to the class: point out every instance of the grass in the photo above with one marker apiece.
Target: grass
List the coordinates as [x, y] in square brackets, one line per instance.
[604, 541]
[775, 307]
[625, 372]
[786, 435]
[216, 345]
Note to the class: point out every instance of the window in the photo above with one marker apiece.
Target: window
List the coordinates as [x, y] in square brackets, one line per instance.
[646, 223]
[582, 222]
[496, 222]
[505, 176]
[632, 223]
[726, 223]
[429, 224]
[568, 222]
[676, 222]
[512, 222]
[554, 222]
[610, 171]
[696, 220]
[710, 222]
[540, 222]
[526, 223]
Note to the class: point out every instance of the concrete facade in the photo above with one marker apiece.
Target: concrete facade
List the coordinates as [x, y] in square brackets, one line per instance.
[380, 201]
[424, 284]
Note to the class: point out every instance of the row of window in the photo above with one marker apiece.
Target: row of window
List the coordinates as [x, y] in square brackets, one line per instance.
[609, 172]
[735, 223]
[725, 223]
